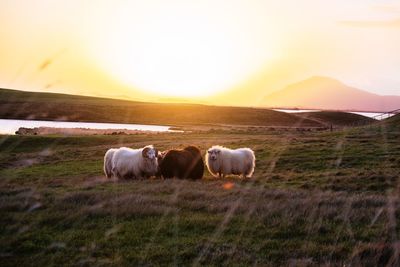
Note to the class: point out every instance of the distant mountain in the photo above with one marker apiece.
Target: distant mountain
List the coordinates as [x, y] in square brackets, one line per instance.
[329, 94]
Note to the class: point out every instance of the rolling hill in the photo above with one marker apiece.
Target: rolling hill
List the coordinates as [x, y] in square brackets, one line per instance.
[336, 118]
[329, 94]
[16, 104]
[395, 120]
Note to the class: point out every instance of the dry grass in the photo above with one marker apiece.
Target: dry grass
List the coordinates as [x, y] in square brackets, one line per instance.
[315, 199]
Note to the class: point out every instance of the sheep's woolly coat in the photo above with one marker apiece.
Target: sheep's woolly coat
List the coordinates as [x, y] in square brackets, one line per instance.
[223, 161]
[135, 163]
[184, 163]
[108, 162]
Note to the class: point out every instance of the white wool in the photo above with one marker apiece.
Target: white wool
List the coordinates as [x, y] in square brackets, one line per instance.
[108, 162]
[227, 161]
[129, 162]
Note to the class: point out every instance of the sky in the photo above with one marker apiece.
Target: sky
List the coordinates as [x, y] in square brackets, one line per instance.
[208, 51]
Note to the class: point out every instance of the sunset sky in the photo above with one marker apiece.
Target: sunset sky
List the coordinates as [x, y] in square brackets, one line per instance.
[228, 52]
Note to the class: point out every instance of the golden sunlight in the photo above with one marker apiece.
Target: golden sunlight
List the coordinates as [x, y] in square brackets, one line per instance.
[184, 49]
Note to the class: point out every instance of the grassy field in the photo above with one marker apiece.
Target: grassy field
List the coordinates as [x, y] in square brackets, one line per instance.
[50, 106]
[316, 198]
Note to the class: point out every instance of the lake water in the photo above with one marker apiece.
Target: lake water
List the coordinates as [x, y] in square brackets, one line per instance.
[11, 126]
[374, 115]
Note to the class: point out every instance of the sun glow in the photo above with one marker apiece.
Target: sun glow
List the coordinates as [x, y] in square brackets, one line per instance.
[182, 48]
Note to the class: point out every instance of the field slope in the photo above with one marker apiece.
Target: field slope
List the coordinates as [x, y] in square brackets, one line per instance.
[336, 118]
[394, 120]
[48, 106]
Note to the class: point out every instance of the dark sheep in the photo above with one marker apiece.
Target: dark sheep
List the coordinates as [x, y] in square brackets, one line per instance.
[184, 163]
[160, 157]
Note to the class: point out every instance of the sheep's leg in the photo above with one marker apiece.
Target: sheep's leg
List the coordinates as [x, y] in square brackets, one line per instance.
[141, 176]
[114, 173]
[118, 175]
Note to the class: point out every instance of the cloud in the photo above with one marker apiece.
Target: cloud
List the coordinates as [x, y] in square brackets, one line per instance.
[372, 23]
[387, 8]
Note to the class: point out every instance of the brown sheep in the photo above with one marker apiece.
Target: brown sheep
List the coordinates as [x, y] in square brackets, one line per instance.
[184, 163]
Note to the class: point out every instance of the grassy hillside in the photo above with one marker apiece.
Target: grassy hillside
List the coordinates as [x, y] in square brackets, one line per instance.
[337, 118]
[28, 105]
[394, 120]
[315, 199]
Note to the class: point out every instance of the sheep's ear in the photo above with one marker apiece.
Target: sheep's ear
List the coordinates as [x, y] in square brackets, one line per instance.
[144, 152]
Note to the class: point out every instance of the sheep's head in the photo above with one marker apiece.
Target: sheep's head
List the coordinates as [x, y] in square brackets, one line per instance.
[149, 152]
[213, 153]
[160, 156]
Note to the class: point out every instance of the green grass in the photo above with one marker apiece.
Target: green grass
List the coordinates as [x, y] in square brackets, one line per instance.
[316, 198]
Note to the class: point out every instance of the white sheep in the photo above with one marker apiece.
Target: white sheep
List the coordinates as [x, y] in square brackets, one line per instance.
[135, 163]
[108, 162]
[223, 161]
